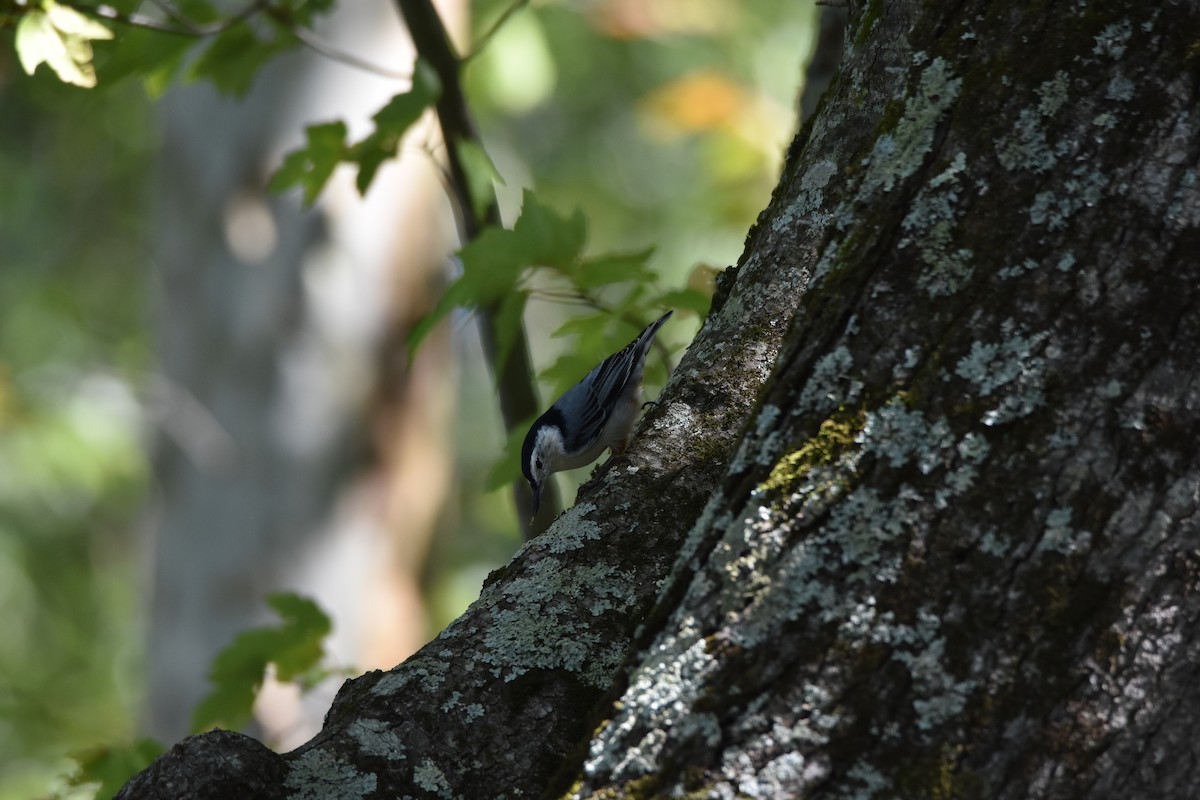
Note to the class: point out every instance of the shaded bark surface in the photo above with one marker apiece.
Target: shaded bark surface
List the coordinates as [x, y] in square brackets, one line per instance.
[950, 547]
[956, 555]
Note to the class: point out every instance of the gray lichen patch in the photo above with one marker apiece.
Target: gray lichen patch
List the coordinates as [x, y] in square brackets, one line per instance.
[1011, 370]
[833, 577]
[1120, 89]
[764, 425]
[1059, 535]
[771, 763]
[320, 775]
[429, 777]
[1084, 188]
[1017, 270]
[1028, 147]
[832, 384]
[537, 624]
[1053, 94]
[930, 226]
[1184, 208]
[899, 435]
[663, 692]
[570, 531]
[898, 153]
[377, 738]
[1112, 41]
[427, 670]
[808, 204]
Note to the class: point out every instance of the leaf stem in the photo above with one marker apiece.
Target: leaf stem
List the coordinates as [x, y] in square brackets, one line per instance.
[494, 29]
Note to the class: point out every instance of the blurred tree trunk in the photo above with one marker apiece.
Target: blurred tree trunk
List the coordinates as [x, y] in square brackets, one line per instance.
[948, 549]
[231, 500]
[293, 430]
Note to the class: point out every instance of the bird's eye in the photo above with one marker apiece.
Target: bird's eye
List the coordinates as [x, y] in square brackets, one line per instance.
[539, 464]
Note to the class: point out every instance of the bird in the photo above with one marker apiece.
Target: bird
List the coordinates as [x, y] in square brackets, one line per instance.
[594, 414]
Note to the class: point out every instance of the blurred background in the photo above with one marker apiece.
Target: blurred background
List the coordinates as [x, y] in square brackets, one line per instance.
[205, 394]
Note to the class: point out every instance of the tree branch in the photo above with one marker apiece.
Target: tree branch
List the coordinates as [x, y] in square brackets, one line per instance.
[514, 378]
[492, 31]
[182, 25]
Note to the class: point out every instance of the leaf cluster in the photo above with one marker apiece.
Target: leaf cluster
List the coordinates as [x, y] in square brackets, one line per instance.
[60, 37]
[293, 648]
[311, 166]
[544, 256]
[192, 42]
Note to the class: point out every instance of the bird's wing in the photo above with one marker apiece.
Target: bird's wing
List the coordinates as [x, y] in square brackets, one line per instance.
[592, 399]
[595, 396]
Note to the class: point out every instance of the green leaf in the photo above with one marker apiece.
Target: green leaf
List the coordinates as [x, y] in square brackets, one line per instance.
[596, 272]
[302, 12]
[547, 239]
[311, 166]
[588, 327]
[238, 671]
[392, 122]
[494, 261]
[111, 766]
[492, 264]
[481, 175]
[236, 56]
[425, 325]
[306, 626]
[507, 469]
[145, 54]
[200, 11]
[509, 319]
[685, 300]
[404, 109]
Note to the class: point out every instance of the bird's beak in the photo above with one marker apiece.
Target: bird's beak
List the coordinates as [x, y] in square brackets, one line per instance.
[537, 497]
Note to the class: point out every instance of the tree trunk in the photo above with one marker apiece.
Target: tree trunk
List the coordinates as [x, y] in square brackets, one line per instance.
[955, 553]
[299, 448]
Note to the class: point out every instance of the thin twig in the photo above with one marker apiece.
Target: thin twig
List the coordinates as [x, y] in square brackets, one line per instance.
[492, 31]
[563, 297]
[332, 53]
[213, 28]
[445, 180]
[514, 375]
[175, 14]
[583, 298]
[132, 20]
[181, 25]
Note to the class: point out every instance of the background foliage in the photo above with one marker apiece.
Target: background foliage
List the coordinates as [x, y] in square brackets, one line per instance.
[655, 130]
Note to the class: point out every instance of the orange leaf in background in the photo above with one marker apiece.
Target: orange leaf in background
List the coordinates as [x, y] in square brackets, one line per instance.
[700, 101]
[639, 19]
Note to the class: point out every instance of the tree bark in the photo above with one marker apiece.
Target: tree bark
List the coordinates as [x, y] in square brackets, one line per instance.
[950, 547]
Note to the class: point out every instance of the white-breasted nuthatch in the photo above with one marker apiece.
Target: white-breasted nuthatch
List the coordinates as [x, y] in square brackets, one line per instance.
[594, 414]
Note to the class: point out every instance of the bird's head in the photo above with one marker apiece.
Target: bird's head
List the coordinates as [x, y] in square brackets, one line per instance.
[540, 454]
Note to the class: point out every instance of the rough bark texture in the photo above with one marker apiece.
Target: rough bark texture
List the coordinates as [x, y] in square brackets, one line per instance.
[955, 551]
[956, 554]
